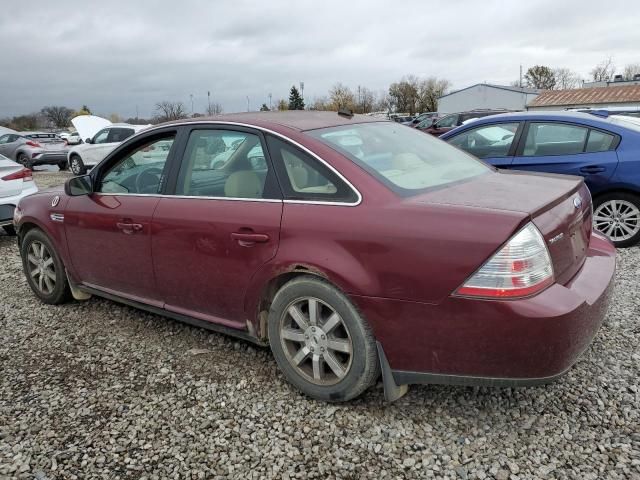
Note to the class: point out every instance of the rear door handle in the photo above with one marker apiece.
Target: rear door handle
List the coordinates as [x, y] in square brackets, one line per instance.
[248, 239]
[592, 169]
[129, 228]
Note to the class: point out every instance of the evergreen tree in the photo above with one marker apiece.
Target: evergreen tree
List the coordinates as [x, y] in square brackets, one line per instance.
[264, 108]
[295, 100]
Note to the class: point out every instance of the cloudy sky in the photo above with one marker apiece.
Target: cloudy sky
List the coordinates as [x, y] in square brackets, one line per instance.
[116, 55]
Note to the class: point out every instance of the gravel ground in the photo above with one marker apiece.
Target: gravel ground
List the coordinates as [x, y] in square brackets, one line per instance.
[100, 390]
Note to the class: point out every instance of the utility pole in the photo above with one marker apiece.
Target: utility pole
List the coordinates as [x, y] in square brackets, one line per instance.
[209, 102]
[520, 76]
[136, 113]
[248, 104]
[191, 95]
[270, 102]
[302, 91]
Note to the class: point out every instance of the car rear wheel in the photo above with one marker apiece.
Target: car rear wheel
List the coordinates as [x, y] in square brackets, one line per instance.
[23, 158]
[321, 343]
[77, 166]
[617, 215]
[43, 268]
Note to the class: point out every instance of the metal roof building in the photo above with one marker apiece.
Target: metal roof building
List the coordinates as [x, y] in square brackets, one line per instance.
[598, 97]
[487, 96]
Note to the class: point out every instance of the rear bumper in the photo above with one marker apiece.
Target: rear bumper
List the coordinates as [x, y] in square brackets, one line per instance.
[8, 205]
[496, 343]
[49, 158]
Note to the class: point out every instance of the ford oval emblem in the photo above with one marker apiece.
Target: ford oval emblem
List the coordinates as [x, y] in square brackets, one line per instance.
[55, 200]
[577, 202]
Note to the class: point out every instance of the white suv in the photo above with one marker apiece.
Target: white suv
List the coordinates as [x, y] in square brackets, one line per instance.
[15, 182]
[89, 154]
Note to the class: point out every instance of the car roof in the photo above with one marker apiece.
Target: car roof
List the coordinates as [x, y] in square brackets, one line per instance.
[296, 119]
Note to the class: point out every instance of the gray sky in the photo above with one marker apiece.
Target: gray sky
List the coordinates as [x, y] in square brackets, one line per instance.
[115, 55]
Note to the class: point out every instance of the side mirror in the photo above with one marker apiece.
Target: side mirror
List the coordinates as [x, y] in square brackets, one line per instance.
[87, 140]
[77, 186]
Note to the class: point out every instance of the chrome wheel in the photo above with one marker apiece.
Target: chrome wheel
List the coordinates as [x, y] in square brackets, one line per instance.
[617, 219]
[316, 341]
[76, 168]
[41, 267]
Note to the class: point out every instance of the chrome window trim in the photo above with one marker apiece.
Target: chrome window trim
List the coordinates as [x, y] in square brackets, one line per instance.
[280, 135]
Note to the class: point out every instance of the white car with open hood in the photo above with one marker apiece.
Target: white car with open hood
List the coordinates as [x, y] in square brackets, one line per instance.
[100, 138]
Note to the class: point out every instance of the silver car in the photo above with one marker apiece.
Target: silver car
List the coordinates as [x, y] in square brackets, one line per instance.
[16, 182]
[35, 148]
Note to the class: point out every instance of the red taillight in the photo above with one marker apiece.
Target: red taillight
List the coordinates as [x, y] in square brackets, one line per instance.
[25, 174]
[519, 269]
[31, 143]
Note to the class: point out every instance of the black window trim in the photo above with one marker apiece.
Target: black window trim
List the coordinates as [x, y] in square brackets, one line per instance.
[174, 159]
[523, 138]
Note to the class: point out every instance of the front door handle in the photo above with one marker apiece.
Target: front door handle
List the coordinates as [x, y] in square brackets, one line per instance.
[129, 228]
[592, 169]
[246, 239]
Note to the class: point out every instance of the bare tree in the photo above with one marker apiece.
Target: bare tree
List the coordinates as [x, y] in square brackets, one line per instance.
[604, 71]
[59, 116]
[320, 103]
[167, 111]
[214, 109]
[566, 79]
[341, 97]
[404, 94]
[365, 99]
[429, 91]
[631, 71]
[282, 105]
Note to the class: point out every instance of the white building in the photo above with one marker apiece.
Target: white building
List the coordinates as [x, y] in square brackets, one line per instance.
[485, 96]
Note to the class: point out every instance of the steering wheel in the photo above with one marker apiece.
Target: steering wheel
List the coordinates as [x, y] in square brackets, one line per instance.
[148, 179]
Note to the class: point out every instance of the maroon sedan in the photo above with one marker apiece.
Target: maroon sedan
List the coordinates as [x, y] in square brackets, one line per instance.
[352, 246]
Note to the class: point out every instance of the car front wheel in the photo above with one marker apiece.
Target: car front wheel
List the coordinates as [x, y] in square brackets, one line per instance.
[43, 268]
[77, 166]
[617, 215]
[320, 341]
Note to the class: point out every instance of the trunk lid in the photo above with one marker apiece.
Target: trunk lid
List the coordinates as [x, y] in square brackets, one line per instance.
[559, 206]
[9, 188]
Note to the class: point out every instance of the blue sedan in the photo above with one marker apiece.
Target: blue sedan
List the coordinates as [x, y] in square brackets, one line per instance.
[605, 151]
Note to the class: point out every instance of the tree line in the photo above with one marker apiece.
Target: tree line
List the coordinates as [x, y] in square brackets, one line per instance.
[547, 78]
[411, 94]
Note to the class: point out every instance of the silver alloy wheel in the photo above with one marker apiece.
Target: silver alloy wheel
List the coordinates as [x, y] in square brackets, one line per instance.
[75, 165]
[316, 341]
[617, 219]
[41, 267]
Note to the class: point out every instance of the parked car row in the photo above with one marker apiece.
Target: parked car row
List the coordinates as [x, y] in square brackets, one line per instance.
[604, 151]
[353, 246]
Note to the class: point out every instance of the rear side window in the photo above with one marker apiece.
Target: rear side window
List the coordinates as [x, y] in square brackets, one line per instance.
[600, 141]
[225, 164]
[544, 139]
[303, 177]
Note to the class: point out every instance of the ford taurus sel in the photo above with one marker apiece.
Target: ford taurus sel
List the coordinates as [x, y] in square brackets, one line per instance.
[355, 247]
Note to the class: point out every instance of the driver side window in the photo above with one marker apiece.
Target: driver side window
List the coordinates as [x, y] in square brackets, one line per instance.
[138, 171]
[101, 136]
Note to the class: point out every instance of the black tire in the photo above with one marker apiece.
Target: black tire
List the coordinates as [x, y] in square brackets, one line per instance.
[363, 369]
[77, 165]
[24, 159]
[60, 293]
[63, 166]
[624, 197]
[9, 230]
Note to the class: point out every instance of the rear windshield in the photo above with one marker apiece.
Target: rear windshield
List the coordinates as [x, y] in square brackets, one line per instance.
[406, 160]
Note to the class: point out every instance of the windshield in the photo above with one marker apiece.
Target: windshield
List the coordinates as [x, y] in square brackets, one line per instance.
[406, 160]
